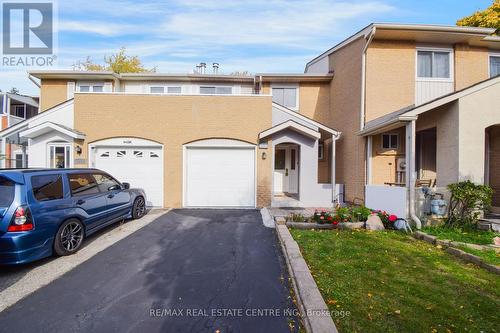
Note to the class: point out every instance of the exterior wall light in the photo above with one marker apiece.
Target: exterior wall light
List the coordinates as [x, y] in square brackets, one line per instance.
[78, 150]
[264, 155]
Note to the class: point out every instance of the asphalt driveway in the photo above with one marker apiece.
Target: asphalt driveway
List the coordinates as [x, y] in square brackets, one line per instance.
[188, 271]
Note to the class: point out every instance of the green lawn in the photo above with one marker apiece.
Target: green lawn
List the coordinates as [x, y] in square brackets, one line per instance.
[474, 236]
[489, 256]
[392, 283]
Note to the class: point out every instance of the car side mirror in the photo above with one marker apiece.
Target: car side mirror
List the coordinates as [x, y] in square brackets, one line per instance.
[126, 186]
[114, 188]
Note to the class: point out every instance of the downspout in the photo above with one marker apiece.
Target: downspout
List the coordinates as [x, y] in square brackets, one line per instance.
[335, 137]
[363, 79]
[411, 178]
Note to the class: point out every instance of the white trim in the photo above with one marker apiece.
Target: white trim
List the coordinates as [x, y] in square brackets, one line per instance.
[451, 63]
[181, 94]
[27, 133]
[293, 125]
[295, 86]
[60, 144]
[490, 55]
[216, 143]
[18, 126]
[321, 151]
[308, 120]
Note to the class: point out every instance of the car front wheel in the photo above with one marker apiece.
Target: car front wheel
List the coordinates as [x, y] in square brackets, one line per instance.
[69, 237]
[139, 208]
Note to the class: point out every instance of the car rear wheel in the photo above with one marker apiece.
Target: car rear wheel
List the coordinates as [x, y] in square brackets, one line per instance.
[139, 208]
[69, 237]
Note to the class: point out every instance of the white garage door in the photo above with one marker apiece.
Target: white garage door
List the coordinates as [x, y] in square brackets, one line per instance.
[142, 167]
[220, 177]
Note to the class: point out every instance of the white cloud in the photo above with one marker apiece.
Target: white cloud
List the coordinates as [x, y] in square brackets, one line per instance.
[98, 27]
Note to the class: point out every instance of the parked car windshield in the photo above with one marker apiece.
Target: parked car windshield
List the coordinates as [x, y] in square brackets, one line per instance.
[7, 190]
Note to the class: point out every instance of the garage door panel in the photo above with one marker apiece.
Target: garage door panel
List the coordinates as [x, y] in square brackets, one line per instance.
[220, 177]
[142, 167]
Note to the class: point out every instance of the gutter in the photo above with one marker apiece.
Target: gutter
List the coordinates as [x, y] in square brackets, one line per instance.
[32, 79]
[335, 137]
[363, 78]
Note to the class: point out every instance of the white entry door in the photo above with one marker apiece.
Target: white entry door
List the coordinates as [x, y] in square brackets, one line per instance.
[219, 177]
[142, 167]
[286, 169]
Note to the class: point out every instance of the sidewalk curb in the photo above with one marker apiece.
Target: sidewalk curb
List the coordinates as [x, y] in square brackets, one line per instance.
[314, 311]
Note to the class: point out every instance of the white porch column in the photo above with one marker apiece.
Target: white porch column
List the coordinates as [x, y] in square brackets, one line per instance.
[369, 148]
[2, 153]
[335, 200]
[410, 170]
[24, 159]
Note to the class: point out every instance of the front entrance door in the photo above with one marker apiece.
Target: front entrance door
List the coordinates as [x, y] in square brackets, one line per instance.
[286, 169]
[59, 155]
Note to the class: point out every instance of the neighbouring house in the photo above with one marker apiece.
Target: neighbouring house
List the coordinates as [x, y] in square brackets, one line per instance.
[371, 119]
[15, 108]
[417, 105]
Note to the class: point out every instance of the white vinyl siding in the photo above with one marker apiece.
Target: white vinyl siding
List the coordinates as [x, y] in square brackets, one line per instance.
[433, 73]
[286, 97]
[494, 65]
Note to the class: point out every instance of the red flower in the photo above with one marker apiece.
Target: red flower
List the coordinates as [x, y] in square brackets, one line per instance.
[335, 222]
[330, 218]
[393, 218]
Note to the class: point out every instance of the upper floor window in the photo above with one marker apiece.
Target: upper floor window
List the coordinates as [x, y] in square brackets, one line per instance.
[91, 88]
[286, 97]
[163, 90]
[19, 111]
[434, 64]
[494, 65]
[216, 90]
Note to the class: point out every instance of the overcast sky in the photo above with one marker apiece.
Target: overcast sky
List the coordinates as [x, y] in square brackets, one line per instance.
[254, 36]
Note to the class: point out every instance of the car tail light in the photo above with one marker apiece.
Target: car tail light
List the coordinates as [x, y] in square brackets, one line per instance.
[21, 221]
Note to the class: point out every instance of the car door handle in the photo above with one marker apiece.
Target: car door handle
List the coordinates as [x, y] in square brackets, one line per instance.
[111, 196]
[80, 202]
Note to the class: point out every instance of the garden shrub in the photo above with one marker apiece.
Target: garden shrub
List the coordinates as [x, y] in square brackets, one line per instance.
[360, 213]
[466, 203]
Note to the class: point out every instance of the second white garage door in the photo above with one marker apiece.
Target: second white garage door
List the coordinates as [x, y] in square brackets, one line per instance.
[220, 177]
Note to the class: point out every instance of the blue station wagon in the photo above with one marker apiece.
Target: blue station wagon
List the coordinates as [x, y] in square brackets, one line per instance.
[50, 211]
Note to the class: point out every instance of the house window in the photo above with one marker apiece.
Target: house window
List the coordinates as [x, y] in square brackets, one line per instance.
[157, 90]
[321, 151]
[153, 155]
[91, 87]
[174, 90]
[161, 90]
[494, 65]
[286, 97]
[390, 141]
[216, 90]
[433, 64]
[121, 153]
[59, 156]
[137, 153]
[19, 111]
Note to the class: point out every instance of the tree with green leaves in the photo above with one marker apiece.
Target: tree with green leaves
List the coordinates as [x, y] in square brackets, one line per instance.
[488, 18]
[119, 62]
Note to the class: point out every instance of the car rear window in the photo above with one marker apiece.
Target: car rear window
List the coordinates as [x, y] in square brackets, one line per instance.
[7, 191]
[47, 187]
[82, 184]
